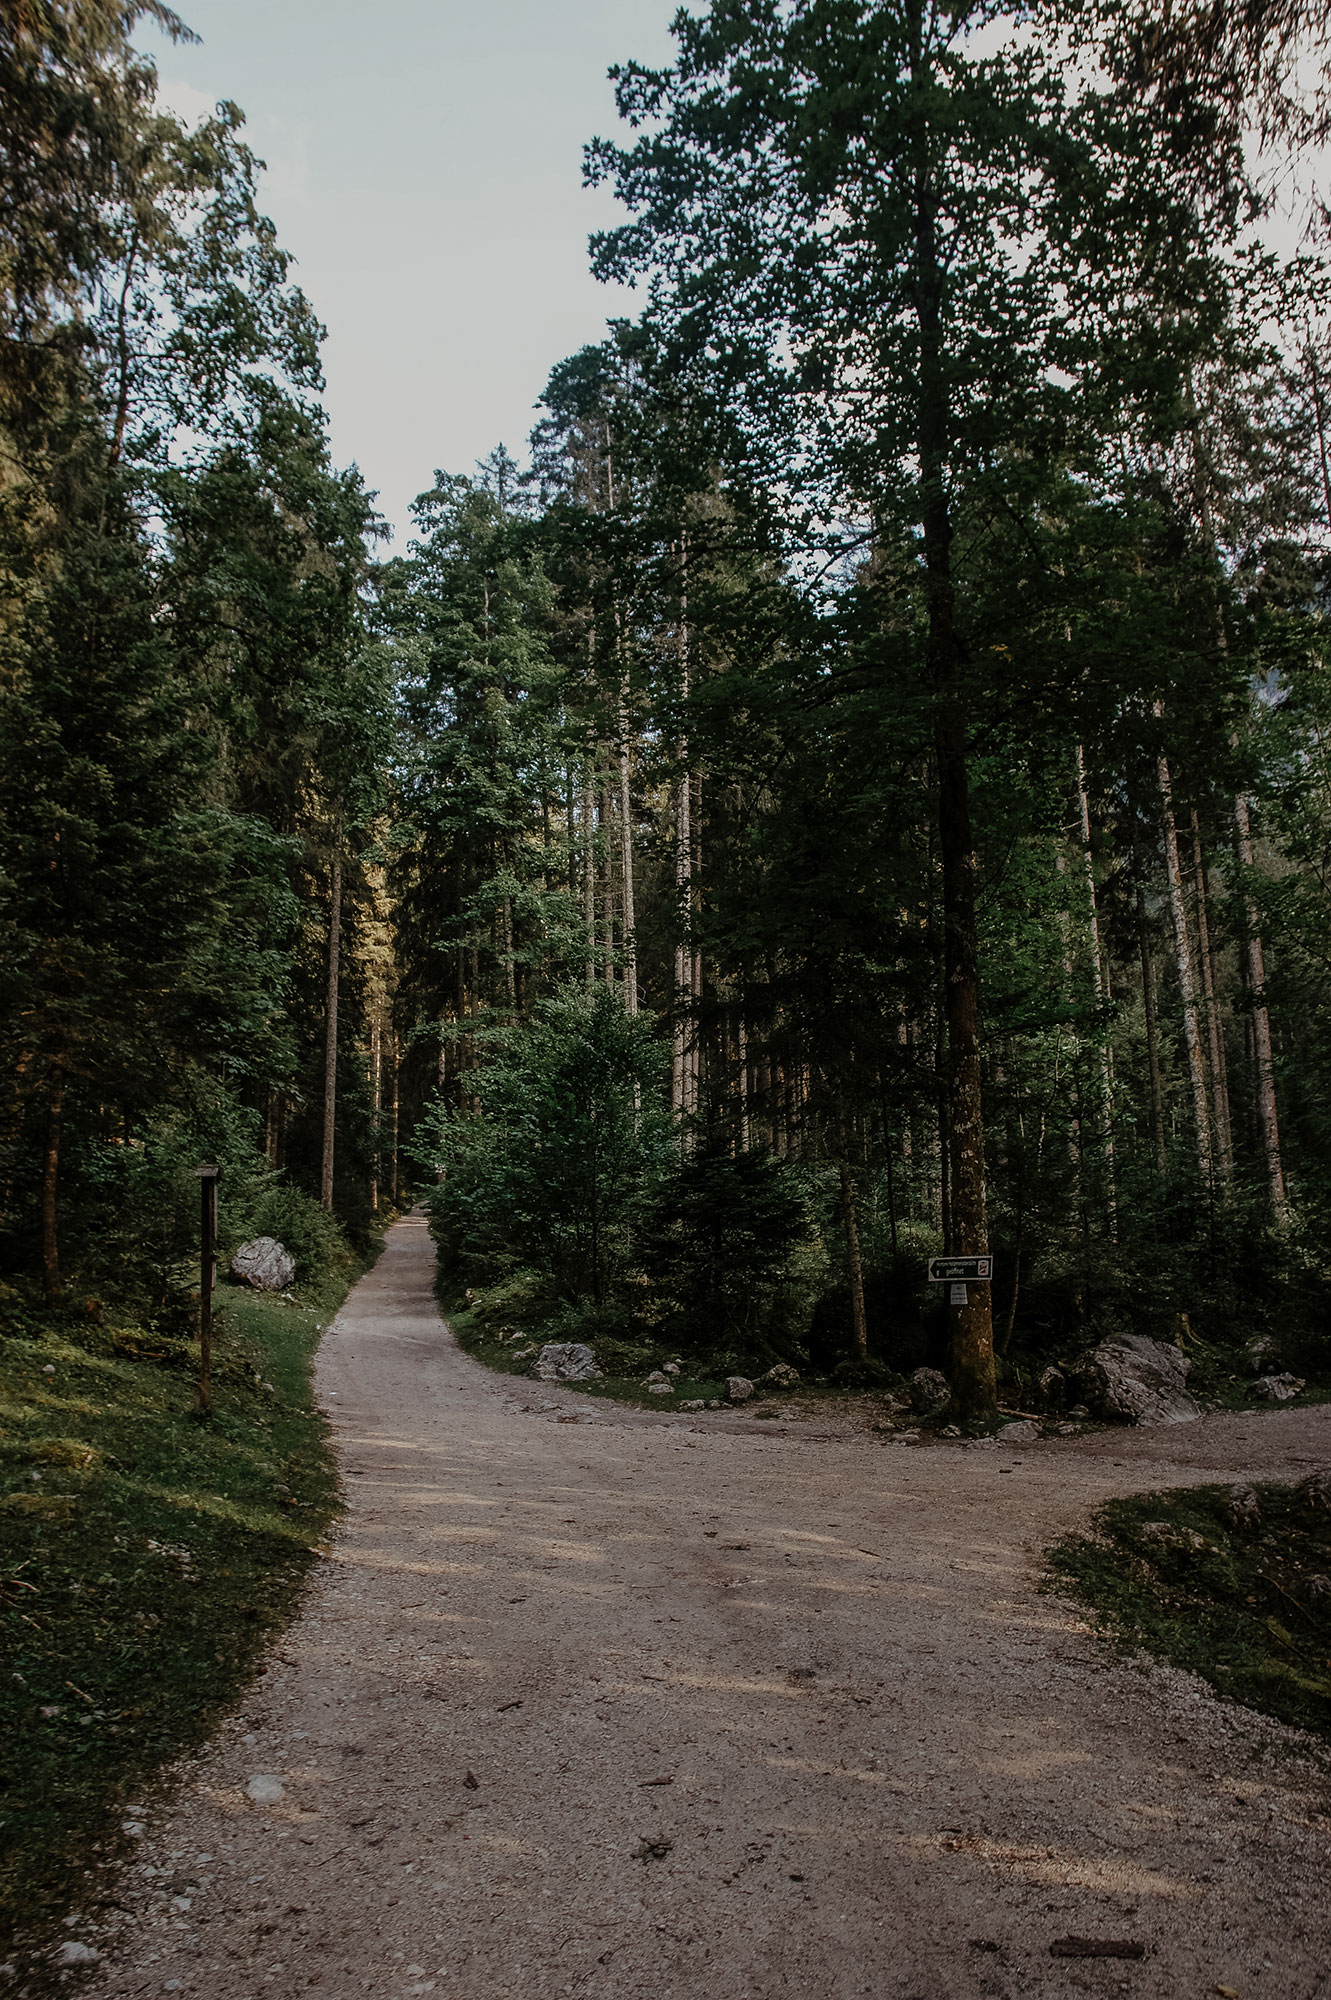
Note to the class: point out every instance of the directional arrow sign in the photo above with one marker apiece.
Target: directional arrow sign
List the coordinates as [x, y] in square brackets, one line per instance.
[956, 1270]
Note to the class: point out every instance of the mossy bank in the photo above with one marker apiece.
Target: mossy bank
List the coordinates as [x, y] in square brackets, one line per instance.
[147, 1558]
[1231, 1582]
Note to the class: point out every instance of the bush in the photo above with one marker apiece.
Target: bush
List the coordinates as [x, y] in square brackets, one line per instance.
[271, 1206]
[552, 1170]
[719, 1253]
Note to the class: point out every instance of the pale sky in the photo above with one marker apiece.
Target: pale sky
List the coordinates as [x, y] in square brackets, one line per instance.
[425, 170]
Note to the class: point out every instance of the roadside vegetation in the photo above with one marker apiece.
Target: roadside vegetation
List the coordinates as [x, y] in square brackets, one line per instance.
[1232, 1583]
[147, 1557]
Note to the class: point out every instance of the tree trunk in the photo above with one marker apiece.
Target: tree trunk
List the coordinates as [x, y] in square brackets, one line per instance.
[510, 969]
[854, 1265]
[1215, 1036]
[742, 1056]
[1183, 960]
[55, 1105]
[1152, 1031]
[392, 1130]
[973, 1385]
[626, 860]
[376, 1102]
[681, 1064]
[1098, 980]
[1267, 1121]
[589, 870]
[330, 1025]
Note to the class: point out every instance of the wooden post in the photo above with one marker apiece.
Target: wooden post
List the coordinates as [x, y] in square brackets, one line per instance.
[207, 1179]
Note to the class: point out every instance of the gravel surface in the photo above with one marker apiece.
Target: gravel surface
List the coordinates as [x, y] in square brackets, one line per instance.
[620, 1704]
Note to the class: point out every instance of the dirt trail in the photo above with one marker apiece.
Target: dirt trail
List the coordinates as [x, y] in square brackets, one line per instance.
[621, 1708]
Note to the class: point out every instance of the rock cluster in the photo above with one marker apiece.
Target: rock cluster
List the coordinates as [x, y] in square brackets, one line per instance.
[1277, 1388]
[565, 1361]
[930, 1391]
[781, 1376]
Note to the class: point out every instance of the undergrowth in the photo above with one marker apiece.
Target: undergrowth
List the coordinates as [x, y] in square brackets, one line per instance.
[1233, 1584]
[145, 1560]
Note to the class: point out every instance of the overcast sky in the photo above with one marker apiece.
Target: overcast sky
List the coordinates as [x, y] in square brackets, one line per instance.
[425, 169]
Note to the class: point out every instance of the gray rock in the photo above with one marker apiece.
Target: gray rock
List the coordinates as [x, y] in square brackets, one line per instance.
[1262, 1354]
[660, 1388]
[1053, 1385]
[566, 1361]
[781, 1376]
[1240, 1506]
[671, 1368]
[1138, 1381]
[1170, 1536]
[1019, 1433]
[73, 1953]
[264, 1790]
[695, 1405]
[739, 1388]
[265, 1264]
[1277, 1388]
[1314, 1493]
[1079, 1413]
[657, 1375]
[929, 1391]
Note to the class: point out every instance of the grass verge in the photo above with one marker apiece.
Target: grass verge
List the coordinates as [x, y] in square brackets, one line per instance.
[1233, 1583]
[145, 1560]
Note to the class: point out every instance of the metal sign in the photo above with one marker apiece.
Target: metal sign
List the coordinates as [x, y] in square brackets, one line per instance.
[959, 1296]
[957, 1270]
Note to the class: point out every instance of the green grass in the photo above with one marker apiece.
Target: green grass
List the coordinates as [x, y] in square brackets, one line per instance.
[1179, 1575]
[145, 1560]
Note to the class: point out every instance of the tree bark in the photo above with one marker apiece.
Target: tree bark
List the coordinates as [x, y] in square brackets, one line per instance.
[1183, 960]
[376, 1102]
[1267, 1120]
[626, 860]
[1224, 1144]
[974, 1389]
[850, 1223]
[589, 871]
[392, 1130]
[55, 1105]
[1152, 1031]
[681, 1063]
[1098, 980]
[330, 1023]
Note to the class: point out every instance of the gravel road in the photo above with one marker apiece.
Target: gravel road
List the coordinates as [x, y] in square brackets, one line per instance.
[629, 1705]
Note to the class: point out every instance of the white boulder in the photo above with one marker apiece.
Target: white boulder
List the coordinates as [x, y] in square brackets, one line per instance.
[265, 1264]
[1138, 1381]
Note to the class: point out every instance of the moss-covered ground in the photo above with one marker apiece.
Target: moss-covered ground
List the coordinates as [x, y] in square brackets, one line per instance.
[145, 1559]
[1237, 1593]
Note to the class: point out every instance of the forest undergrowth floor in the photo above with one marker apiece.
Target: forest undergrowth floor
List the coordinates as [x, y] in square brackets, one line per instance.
[592, 1700]
[146, 1559]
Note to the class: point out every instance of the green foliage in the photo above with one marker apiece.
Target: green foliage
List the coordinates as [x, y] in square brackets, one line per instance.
[552, 1167]
[146, 1561]
[1245, 1604]
[719, 1246]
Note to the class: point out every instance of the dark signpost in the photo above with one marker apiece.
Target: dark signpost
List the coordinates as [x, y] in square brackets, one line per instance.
[958, 1272]
[207, 1179]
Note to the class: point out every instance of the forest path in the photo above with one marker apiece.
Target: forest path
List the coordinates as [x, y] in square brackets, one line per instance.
[626, 1709]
